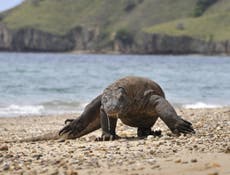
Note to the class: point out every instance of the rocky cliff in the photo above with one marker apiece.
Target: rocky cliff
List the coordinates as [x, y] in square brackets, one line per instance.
[165, 44]
[80, 39]
[5, 38]
[29, 39]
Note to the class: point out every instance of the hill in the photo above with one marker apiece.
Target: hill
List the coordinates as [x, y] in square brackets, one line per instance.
[214, 24]
[121, 25]
[60, 16]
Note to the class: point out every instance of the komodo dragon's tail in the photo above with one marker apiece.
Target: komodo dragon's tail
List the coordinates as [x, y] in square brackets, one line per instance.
[48, 136]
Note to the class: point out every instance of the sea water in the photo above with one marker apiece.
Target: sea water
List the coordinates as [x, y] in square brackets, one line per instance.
[50, 83]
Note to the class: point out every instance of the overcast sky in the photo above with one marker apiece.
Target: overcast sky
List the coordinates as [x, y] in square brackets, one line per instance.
[7, 4]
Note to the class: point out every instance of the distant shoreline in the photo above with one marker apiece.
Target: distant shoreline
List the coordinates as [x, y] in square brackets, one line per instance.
[39, 110]
[89, 52]
[198, 107]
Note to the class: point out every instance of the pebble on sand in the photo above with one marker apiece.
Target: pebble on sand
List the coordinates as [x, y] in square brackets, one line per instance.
[4, 148]
[193, 160]
[178, 161]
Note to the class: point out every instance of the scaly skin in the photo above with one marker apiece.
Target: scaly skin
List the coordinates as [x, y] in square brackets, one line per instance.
[136, 101]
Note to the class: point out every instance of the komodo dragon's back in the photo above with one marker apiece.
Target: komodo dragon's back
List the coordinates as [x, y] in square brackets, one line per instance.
[136, 86]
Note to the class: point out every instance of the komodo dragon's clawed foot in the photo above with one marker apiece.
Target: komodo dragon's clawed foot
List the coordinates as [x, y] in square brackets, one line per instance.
[156, 133]
[144, 132]
[183, 126]
[107, 137]
[72, 129]
[67, 121]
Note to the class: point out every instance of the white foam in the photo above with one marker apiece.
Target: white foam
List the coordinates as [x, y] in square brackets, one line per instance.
[200, 105]
[16, 110]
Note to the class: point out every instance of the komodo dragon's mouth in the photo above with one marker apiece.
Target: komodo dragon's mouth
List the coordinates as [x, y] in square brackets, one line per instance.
[117, 113]
[113, 114]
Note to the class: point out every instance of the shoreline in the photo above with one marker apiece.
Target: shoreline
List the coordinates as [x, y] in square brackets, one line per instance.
[22, 111]
[206, 152]
[105, 52]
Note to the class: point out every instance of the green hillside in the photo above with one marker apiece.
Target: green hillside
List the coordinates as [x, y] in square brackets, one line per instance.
[59, 16]
[209, 27]
[213, 25]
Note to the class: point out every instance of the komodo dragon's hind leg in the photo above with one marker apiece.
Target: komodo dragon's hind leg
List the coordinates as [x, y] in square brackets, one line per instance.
[144, 132]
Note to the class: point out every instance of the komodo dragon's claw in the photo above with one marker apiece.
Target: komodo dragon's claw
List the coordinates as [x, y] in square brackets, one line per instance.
[68, 121]
[64, 130]
[184, 127]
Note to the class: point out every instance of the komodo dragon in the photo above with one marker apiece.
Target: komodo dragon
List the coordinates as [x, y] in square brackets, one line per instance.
[136, 101]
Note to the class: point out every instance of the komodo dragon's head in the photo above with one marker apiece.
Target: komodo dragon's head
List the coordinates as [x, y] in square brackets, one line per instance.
[115, 101]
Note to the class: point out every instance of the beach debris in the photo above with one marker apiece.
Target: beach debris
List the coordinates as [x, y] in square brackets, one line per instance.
[177, 161]
[152, 152]
[37, 156]
[227, 151]
[150, 137]
[194, 160]
[6, 167]
[4, 148]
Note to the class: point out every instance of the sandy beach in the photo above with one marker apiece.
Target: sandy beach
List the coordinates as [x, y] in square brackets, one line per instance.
[205, 153]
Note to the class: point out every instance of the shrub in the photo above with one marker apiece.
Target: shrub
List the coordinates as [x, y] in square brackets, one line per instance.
[35, 2]
[124, 36]
[202, 6]
[130, 6]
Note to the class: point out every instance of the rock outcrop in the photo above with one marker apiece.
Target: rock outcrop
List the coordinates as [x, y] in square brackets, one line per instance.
[165, 44]
[5, 38]
[81, 39]
[29, 39]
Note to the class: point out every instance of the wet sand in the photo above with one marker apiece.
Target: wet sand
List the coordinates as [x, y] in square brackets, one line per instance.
[205, 153]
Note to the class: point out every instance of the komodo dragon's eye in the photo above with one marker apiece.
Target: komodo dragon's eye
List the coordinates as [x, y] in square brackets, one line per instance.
[104, 100]
[122, 90]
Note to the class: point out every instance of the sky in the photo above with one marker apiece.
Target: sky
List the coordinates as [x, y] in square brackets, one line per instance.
[7, 4]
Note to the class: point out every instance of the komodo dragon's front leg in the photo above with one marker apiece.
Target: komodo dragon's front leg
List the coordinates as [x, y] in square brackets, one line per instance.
[166, 112]
[88, 121]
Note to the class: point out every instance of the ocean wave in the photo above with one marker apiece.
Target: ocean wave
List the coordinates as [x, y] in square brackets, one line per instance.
[46, 108]
[17, 110]
[60, 103]
[62, 107]
[200, 105]
[56, 89]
